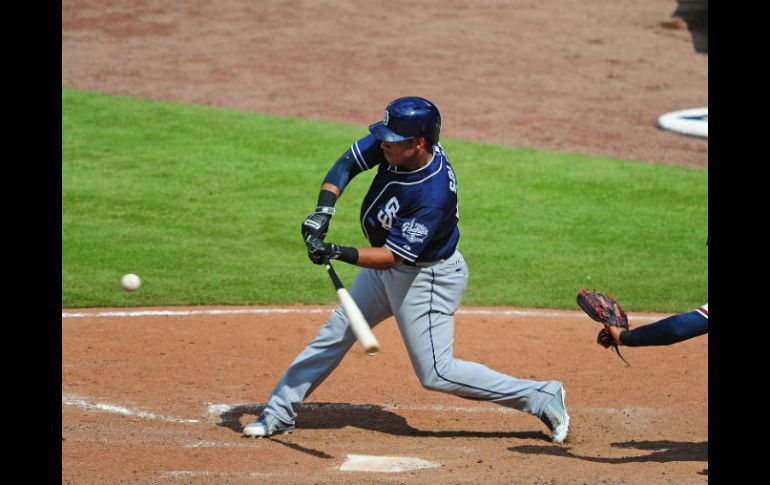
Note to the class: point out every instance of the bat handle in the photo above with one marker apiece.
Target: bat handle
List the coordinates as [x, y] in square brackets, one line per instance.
[332, 274]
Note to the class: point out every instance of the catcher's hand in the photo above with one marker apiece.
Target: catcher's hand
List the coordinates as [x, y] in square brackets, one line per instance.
[607, 311]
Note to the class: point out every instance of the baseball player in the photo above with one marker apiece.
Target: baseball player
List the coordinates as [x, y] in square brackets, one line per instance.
[413, 271]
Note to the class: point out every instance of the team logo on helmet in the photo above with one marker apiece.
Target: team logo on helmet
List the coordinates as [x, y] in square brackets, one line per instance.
[385, 118]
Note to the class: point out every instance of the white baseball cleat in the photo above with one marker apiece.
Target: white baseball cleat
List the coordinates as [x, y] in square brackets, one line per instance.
[267, 425]
[556, 418]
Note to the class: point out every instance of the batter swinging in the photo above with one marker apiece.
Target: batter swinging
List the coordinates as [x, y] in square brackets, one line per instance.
[412, 271]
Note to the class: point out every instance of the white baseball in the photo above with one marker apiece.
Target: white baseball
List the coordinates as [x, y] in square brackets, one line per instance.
[130, 282]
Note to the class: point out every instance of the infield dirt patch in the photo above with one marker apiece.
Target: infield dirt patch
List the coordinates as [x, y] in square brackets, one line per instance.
[162, 399]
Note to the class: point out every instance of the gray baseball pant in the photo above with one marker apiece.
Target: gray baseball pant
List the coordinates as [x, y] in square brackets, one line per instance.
[423, 300]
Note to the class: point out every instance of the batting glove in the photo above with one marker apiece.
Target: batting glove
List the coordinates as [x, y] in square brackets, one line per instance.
[317, 224]
[317, 250]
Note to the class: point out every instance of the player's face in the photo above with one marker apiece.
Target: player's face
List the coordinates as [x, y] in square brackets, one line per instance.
[401, 153]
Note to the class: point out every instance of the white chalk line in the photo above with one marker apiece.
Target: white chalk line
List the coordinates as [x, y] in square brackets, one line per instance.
[199, 474]
[184, 313]
[78, 401]
[269, 311]
[216, 411]
[223, 444]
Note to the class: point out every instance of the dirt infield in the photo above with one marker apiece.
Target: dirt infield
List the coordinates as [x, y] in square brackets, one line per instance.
[161, 399]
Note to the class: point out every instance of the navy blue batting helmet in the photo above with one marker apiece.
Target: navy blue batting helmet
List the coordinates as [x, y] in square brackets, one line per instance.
[407, 118]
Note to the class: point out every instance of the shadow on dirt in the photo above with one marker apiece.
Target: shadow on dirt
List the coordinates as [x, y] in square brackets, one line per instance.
[662, 452]
[302, 449]
[366, 416]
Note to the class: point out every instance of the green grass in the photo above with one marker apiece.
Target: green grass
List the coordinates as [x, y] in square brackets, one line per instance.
[206, 204]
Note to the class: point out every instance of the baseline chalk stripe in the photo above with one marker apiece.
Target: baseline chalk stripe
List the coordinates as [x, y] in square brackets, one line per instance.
[216, 410]
[540, 313]
[223, 444]
[184, 313]
[271, 311]
[80, 402]
[384, 464]
[201, 474]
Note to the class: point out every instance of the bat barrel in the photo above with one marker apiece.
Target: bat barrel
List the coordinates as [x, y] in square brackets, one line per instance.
[356, 319]
[358, 323]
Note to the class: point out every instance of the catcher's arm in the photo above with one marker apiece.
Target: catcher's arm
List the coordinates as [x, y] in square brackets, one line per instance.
[668, 331]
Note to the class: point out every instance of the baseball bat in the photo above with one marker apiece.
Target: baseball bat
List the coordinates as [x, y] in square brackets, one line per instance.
[356, 319]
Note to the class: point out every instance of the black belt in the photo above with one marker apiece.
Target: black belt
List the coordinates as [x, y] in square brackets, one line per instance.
[421, 264]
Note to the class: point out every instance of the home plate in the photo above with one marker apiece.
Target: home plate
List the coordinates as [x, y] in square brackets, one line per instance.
[384, 464]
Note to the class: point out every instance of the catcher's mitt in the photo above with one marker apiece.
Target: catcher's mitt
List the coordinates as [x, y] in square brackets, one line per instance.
[601, 308]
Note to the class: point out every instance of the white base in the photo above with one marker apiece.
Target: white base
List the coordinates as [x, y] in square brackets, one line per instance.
[387, 464]
[693, 122]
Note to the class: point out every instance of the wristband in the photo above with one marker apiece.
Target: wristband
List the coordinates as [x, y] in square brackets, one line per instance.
[348, 254]
[327, 199]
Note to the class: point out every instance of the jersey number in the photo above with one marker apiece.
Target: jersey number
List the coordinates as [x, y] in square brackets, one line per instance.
[388, 215]
[453, 187]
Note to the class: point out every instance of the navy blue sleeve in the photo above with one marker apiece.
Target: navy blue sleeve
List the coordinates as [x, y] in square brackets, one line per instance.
[362, 155]
[342, 171]
[670, 330]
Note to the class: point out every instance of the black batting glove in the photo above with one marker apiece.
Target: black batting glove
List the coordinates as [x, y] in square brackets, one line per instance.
[317, 224]
[318, 251]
